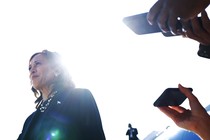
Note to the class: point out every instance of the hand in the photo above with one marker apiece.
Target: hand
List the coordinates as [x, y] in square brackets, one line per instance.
[166, 12]
[195, 30]
[196, 119]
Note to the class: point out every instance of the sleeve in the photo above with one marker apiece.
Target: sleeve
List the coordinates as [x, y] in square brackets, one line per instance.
[25, 126]
[204, 51]
[127, 133]
[136, 131]
[90, 117]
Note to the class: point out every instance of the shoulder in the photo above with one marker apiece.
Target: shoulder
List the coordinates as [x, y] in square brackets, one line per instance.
[82, 92]
[76, 92]
[78, 95]
[28, 120]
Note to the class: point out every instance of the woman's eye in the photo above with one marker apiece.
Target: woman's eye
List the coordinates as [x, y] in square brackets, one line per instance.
[37, 63]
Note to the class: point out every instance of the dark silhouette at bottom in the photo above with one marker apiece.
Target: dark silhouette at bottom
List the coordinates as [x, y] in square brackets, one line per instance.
[132, 133]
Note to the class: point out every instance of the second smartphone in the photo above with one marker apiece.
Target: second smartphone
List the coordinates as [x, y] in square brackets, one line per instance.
[171, 97]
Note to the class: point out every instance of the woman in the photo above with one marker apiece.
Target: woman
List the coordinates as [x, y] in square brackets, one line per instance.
[63, 112]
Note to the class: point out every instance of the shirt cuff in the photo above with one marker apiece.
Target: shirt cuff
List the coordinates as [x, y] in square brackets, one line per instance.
[204, 51]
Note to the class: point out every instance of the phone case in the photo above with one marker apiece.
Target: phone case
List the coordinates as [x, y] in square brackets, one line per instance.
[170, 97]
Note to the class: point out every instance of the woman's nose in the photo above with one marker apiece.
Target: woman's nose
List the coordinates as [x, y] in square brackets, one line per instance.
[32, 70]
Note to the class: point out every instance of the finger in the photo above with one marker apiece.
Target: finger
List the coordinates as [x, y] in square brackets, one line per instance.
[178, 109]
[190, 34]
[171, 113]
[195, 105]
[162, 20]
[200, 31]
[168, 111]
[185, 25]
[196, 26]
[172, 25]
[187, 92]
[154, 11]
[205, 21]
[192, 30]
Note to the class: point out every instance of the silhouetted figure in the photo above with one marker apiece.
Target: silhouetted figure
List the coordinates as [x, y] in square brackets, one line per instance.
[132, 133]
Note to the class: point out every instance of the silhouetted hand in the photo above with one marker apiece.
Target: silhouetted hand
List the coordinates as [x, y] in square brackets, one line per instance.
[198, 31]
[166, 12]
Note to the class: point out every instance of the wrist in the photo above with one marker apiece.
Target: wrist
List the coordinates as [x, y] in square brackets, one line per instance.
[204, 51]
[204, 128]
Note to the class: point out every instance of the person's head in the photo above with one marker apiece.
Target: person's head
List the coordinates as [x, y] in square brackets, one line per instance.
[47, 72]
[129, 125]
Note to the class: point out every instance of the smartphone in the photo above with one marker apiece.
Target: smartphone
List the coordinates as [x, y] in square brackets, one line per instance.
[171, 97]
[139, 25]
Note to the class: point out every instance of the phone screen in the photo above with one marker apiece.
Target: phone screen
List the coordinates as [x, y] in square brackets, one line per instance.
[170, 97]
[139, 25]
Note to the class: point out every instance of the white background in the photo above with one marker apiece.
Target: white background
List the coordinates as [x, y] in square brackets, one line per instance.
[124, 71]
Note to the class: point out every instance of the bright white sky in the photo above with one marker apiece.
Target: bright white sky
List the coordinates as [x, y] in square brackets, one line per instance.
[124, 71]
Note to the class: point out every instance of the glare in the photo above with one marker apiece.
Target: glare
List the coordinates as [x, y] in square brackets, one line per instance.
[54, 135]
[125, 72]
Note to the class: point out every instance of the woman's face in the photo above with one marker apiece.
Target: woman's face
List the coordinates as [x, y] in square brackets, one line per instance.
[41, 72]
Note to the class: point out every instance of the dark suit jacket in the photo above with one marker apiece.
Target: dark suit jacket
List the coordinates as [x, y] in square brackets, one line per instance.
[70, 116]
[132, 133]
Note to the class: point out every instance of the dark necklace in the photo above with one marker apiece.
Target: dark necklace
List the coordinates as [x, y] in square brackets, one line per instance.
[44, 105]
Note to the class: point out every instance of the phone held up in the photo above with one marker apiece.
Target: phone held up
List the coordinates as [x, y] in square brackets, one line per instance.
[170, 97]
[139, 25]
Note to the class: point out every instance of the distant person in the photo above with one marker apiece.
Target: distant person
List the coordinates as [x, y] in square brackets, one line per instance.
[132, 133]
[63, 112]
